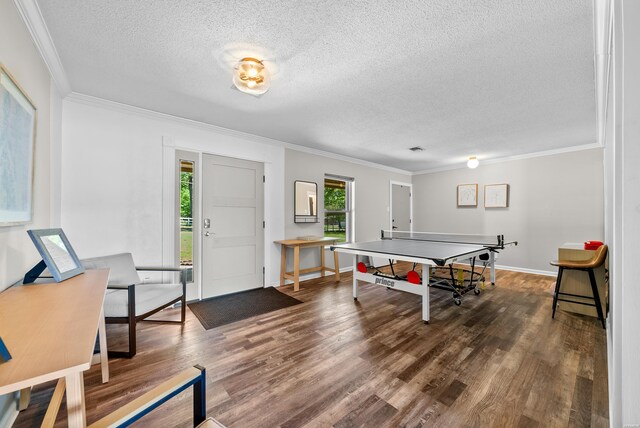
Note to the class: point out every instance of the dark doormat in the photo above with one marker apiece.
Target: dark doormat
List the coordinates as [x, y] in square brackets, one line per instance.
[222, 310]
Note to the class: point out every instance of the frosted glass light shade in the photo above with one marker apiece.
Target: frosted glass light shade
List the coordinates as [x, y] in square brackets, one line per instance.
[251, 76]
[473, 162]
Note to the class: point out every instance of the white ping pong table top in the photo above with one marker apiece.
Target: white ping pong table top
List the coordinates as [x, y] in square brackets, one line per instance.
[438, 252]
[442, 249]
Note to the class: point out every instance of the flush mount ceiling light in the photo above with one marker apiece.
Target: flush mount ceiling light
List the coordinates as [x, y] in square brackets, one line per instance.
[416, 149]
[473, 162]
[251, 76]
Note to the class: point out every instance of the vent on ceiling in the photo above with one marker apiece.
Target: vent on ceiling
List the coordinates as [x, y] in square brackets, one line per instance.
[416, 149]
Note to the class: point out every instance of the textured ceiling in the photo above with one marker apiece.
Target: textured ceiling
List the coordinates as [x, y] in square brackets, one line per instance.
[366, 79]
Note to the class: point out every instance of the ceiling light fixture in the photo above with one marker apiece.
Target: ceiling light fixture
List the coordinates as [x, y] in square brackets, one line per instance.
[251, 76]
[473, 162]
[416, 149]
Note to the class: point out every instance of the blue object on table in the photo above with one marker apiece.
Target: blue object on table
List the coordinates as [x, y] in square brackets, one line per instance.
[4, 352]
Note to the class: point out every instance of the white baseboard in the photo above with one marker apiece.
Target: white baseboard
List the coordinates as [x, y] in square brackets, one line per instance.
[310, 276]
[527, 270]
[348, 269]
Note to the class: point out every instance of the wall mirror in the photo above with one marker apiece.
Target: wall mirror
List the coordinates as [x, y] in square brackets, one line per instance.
[305, 202]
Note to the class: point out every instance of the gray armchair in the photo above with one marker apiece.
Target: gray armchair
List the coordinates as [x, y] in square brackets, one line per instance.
[129, 300]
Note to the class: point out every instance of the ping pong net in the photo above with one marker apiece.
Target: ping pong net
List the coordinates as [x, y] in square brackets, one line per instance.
[494, 241]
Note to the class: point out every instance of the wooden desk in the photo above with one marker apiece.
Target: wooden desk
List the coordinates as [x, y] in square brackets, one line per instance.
[50, 331]
[296, 244]
[577, 282]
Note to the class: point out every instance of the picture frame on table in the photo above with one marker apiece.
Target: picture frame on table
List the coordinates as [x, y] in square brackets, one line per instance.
[57, 253]
[467, 195]
[17, 143]
[496, 196]
[4, 352]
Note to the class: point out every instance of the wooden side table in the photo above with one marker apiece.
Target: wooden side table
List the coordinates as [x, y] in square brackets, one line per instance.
[50, 330]
[296, 244]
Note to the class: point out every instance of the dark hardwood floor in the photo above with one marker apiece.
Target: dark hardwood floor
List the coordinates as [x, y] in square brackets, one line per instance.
[497, 360]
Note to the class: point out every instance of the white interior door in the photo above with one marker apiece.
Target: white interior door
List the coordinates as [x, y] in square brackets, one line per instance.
[400, 207]
[232, 225]
[399, 213]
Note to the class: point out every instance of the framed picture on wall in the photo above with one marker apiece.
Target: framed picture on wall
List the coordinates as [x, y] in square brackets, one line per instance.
[496, 196]
[17, 140]
[468, 195]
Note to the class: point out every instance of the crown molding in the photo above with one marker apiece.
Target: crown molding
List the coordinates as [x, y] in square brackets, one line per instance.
[514, 158]
[151, 114]
[34, 21]
[347, 159]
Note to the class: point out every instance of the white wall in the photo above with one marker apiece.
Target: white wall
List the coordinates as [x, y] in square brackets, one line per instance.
[112, 178]
[20, 57]
[17, 254]
[371, 186]
[553, 199]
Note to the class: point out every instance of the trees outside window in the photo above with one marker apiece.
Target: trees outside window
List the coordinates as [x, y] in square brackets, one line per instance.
[337, 208]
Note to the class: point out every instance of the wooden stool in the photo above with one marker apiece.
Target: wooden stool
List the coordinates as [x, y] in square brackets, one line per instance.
[587, 266]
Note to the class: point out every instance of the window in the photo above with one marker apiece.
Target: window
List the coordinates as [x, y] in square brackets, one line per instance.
[186, 216]
[338, 208]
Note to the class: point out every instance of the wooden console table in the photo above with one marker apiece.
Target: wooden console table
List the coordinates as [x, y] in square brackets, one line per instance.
[296, 244]
[50, 331]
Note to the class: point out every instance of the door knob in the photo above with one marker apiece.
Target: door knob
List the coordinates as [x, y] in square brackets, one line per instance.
[207, 233]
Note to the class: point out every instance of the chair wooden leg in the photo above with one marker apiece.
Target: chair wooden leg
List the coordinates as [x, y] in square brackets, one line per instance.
[132, 336]
[555, 294]
[131, 321]
[596, 296]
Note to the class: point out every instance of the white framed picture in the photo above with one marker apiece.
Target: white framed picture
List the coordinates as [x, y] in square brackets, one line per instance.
[496, 196]
[468, 195]
[17, 139]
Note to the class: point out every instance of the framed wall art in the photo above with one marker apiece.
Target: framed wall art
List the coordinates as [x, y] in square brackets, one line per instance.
[467, 195]
[496, 196]
[17, 140]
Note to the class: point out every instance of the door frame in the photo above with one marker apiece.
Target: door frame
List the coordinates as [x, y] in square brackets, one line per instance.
[256, 151]
[196, 158]
[410, 186]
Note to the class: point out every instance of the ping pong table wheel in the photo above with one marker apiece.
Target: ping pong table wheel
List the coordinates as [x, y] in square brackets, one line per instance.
[476, 291]
[457, 301]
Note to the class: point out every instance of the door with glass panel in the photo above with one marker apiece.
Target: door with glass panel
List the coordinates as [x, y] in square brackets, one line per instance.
[232, 225]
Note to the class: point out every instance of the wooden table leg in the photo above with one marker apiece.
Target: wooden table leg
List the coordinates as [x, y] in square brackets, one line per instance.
[296, 268]
[77, 416]
[283, 263]
[336, 265]
[54, 405]
[104, 360]
[322, 261]
[25, 398]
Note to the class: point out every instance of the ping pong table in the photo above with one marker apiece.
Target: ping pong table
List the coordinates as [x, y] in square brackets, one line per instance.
[432, 251]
